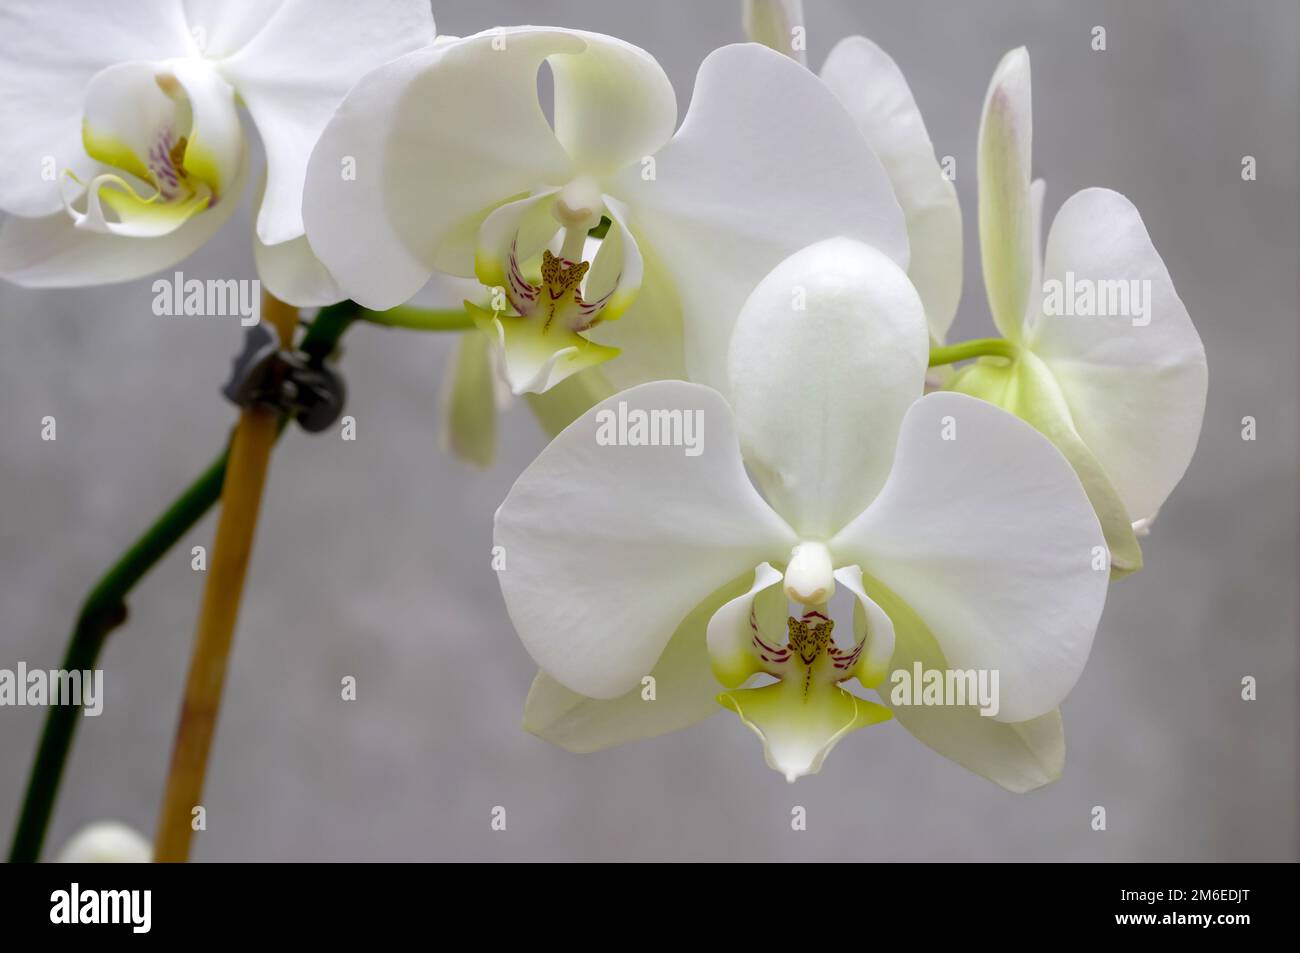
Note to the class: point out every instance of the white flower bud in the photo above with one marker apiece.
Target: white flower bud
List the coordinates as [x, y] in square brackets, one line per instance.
[107, 842]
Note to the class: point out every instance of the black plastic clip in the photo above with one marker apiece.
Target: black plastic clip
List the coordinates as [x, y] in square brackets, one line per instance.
[292, 383]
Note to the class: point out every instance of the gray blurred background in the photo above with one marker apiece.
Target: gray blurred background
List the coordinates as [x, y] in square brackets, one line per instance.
[372, 557]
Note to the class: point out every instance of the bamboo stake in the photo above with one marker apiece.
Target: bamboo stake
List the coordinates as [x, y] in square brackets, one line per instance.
[241, 497]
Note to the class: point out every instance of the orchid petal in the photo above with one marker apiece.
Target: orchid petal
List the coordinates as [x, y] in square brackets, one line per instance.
[828, 354]
[984, 530]
[610, 545]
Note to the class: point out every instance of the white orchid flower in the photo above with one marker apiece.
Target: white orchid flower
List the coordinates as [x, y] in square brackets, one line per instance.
[107, 842]
[1101, 355]
[874, 91]
[963, 537]
[458, 170]
[122, 142]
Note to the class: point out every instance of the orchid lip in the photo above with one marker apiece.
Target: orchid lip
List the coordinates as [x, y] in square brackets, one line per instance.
[166, 162]
[538, 328]
[559, 296]
[802, 715]
[808, 639]
[165, 136]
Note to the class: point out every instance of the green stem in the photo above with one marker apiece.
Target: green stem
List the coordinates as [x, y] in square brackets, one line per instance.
[323, 335]
[105, 609]
[981, 347]
[420, 319]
